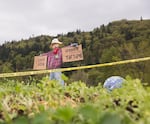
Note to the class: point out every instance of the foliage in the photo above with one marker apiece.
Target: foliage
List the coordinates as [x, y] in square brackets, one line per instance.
[50, 103]
[119, 40]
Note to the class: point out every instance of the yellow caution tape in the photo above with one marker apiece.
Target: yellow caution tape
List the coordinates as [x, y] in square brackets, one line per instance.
[3, 75]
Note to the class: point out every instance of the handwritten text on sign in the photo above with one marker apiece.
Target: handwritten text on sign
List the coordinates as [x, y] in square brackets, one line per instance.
[40, 62]
[70, 54]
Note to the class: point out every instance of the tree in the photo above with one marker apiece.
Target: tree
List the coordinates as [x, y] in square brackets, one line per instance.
[109, 55]
[6, 67]
[83, 42]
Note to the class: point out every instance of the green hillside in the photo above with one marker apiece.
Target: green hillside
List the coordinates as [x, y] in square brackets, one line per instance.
[119, 40]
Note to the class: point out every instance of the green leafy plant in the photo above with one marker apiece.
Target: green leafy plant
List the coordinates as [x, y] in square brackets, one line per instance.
[49, 102]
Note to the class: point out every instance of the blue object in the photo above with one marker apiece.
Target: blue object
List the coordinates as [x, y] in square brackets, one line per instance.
[74, 44]
[113, 82]
[57, 76]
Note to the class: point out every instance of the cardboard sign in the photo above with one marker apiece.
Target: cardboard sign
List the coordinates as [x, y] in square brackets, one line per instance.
[40, 62]
[70, 53]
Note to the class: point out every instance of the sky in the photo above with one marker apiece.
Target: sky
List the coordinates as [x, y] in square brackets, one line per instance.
[21, 19]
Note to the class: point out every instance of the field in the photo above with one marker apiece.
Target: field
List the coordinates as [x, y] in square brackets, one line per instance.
[48, 102]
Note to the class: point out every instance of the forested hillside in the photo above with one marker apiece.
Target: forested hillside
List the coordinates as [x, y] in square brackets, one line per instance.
[119, 40]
